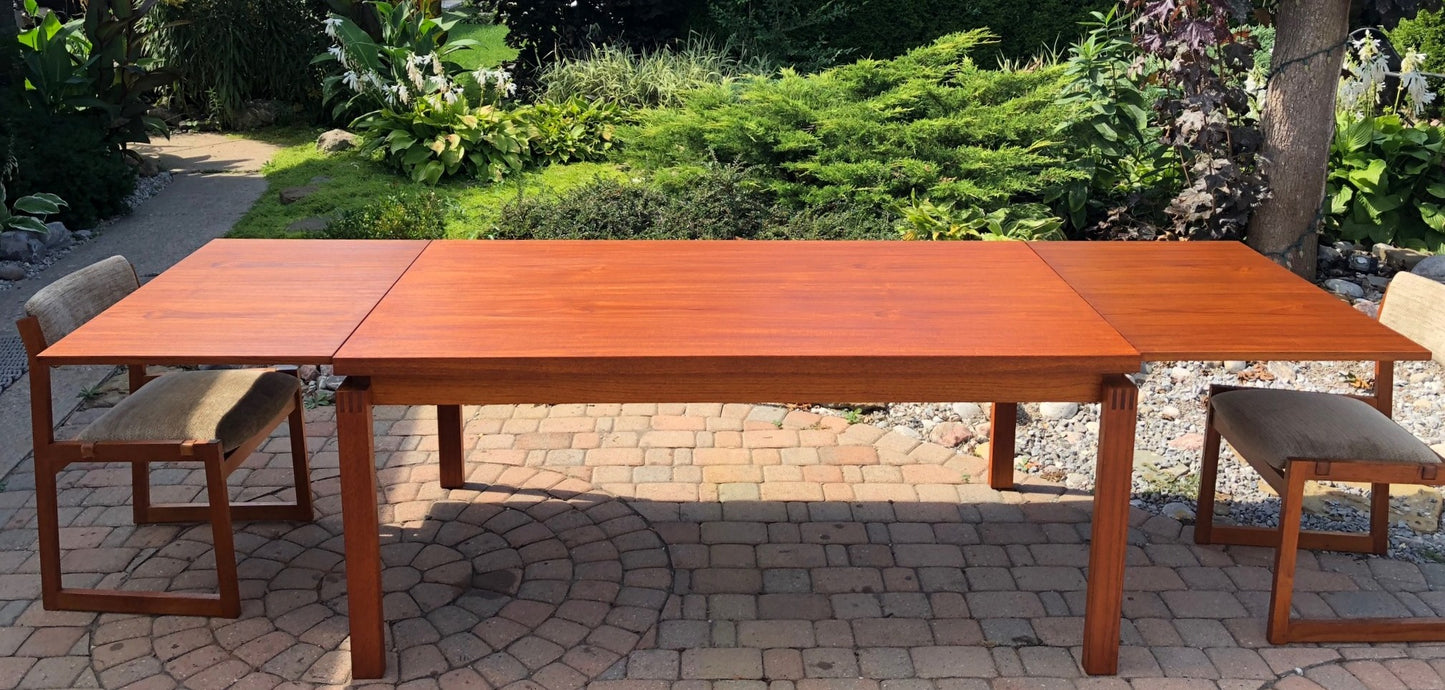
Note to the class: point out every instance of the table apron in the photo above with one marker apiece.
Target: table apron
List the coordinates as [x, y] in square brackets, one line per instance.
[502, 388]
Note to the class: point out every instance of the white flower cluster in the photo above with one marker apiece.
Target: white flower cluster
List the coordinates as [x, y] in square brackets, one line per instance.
[1367, 67]
[1412, 82]
[418, 76]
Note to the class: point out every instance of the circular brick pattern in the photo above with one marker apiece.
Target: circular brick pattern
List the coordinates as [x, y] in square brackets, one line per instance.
[530, 574]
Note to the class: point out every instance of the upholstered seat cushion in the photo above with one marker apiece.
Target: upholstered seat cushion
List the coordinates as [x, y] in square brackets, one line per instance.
[1274, 425]
[229, 406]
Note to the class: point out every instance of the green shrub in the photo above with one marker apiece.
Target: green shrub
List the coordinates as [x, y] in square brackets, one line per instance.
[403, 216]
[929, 124]
[1108, 131]
[68, 155]
[228, 52]
[1423, 34]
[436, 139]
[647, 79]
[1387, 184]
[575, 130]
[712, 203]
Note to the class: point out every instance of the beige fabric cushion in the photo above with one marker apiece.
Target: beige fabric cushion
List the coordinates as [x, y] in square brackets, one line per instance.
[1415, 308]
[69, 302]
[1275, 425]
[229, 406]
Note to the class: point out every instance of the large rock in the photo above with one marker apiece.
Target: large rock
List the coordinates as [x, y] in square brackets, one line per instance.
[1431, 267]
[336, 140]
[19, 245]
[59, 235]
[1397, 258]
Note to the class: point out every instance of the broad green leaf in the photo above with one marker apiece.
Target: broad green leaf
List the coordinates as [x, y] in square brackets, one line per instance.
[36, 206]
[28, 224]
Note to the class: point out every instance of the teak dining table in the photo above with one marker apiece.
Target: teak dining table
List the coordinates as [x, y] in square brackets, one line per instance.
[449, 323]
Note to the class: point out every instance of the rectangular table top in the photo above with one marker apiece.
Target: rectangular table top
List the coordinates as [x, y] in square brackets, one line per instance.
[1218, 301]
[244, 302]
[637, 303]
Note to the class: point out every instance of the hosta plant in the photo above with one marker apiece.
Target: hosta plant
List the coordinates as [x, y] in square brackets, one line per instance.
[1387, 183]
[574, 130]
[408, 57]
[925, 220]
[28, 213]
[440, 137]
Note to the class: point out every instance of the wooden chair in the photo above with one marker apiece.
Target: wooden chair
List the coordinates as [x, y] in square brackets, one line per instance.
[215, 418]
[1294, 437]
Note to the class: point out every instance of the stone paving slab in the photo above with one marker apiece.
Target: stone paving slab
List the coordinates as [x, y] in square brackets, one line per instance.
[711, 546]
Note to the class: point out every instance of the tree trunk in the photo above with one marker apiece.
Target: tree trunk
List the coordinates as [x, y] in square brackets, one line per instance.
[1298, 123]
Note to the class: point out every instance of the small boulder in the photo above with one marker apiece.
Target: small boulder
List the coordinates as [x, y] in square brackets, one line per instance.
[12, 272]
[1178, 511]
[1397, 258]
[291, 195]
[1431, 267]
[19, 245]
[1344, 288]
[58, 235]
[1234, 366]
[1192, 441]
[967, 410]
[1057, 410]
[950, 434]
[260, 113]
[335, 140]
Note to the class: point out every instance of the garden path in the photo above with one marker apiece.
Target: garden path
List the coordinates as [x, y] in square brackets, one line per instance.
[217, 179]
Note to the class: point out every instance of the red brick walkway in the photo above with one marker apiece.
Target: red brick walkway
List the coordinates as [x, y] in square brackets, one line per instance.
[679, 546]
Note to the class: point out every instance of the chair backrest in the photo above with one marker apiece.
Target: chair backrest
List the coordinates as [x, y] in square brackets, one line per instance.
[66, 304]
[1415, 307]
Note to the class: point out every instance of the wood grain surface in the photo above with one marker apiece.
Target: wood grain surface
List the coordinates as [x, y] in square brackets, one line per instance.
[1216, 301]
[244, 302]
[690, 312]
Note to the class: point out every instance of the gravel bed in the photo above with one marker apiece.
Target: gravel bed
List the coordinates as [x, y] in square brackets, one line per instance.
[145, 188]
[1058, 441]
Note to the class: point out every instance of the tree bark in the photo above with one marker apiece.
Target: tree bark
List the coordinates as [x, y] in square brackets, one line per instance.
[1298, 123]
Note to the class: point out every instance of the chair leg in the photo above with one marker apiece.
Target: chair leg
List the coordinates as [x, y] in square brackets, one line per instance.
[226, 603]
[47, 505]
[1208, 481]
[300, 461]
[1286, 556]
[140, 486]
[224, 539]
[1380, 518]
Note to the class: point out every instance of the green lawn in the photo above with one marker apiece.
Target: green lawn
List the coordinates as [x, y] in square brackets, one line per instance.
[347, 181]
[492, 50]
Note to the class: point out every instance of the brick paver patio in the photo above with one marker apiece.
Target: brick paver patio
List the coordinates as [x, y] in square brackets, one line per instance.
[679, 546]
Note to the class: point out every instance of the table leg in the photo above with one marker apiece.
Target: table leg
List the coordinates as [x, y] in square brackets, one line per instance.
[1002, 429]
[1109, 537]
[362, 528]
[449, 439]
